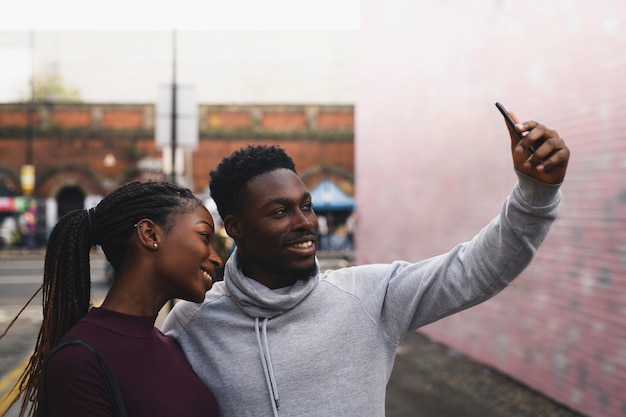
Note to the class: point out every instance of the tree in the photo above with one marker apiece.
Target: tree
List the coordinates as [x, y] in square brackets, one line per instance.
[50, 88]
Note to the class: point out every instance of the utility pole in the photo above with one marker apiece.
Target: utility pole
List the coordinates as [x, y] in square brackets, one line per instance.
[176, 122]
[27, 174]
[31, 105]
[173, 138]
[173, 174]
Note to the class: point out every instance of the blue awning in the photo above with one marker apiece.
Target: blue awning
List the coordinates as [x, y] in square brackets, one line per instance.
[327, 196]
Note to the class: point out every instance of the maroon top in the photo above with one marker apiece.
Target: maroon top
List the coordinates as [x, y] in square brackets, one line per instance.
[153, 373]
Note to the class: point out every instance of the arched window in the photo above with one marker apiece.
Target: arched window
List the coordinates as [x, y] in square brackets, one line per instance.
[68, 199]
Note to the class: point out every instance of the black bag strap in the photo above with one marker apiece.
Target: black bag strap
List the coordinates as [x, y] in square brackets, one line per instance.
[117, 401]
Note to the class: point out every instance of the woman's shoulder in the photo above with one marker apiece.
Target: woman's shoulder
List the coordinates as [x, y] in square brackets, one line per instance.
[73, 359]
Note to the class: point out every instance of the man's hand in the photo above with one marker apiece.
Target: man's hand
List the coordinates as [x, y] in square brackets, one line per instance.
[549, 161]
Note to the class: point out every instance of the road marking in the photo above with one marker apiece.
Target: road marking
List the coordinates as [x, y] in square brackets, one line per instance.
[9, 380]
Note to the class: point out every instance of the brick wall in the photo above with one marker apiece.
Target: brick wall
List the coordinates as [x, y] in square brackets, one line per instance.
[336, 120]
[71, 118]
[15, 117]
[283, 120]
[220, 119]
[433, 166]
[80, 136]
[123, 119]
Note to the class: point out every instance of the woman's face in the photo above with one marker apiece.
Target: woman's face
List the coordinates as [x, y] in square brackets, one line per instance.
[188, 261]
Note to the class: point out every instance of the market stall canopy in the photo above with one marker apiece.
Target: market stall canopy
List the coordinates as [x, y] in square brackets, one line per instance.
[327, 196]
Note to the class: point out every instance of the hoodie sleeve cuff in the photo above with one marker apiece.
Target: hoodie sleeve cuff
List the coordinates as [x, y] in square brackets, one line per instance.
[537, 193]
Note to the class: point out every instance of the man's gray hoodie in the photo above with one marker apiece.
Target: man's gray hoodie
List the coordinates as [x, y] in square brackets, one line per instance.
[326, 346]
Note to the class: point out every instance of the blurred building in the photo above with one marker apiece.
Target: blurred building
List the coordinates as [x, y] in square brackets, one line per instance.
[82, 151]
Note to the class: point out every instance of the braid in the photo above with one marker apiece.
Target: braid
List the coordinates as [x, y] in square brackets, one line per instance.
[121, 210]
[66, 295]
[67, 281]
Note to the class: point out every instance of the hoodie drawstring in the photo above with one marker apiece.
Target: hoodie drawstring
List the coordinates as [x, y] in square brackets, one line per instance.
[266, 360]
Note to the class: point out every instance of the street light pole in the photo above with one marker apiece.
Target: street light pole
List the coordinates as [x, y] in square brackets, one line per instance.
[27, 174]
[173, 174]
[31, 105]
[171, 302]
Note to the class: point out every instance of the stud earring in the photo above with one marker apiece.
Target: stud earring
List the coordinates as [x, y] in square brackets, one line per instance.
[155, 244]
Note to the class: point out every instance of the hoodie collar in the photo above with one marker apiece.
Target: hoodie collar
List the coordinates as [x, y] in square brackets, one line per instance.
[257, 300]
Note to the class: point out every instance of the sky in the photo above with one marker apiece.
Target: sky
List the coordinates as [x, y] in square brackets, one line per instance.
[181, 14]
[270, 51]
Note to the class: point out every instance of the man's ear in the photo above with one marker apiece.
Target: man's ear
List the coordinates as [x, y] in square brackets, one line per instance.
[233, 227]
[147, 232]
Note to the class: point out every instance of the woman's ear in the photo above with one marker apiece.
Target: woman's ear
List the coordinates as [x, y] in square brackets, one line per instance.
[147, 232]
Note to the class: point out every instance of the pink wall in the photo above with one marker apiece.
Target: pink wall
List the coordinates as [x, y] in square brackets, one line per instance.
[433, 166]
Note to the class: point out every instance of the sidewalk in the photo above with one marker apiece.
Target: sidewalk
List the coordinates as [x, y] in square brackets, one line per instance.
[21, 254]
[432, 380]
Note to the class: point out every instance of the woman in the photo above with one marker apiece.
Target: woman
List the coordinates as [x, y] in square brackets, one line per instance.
[158, 238]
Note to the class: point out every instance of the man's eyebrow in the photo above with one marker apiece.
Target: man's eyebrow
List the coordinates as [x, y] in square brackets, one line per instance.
[285, 201]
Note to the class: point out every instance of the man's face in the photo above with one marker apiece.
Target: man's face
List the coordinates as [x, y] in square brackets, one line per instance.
[276, 233]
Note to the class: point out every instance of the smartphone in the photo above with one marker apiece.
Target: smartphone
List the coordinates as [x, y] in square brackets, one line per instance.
[510, 122]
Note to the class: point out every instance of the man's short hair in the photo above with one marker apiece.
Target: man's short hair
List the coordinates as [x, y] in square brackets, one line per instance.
[236, 170]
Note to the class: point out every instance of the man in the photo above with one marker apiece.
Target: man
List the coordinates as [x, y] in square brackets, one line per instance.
[279, 338]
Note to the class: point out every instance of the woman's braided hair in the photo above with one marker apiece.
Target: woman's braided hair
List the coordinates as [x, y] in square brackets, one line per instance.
[67, 280]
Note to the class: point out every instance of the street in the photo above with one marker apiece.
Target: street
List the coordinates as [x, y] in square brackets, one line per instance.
[19, 279]
[428, 379]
